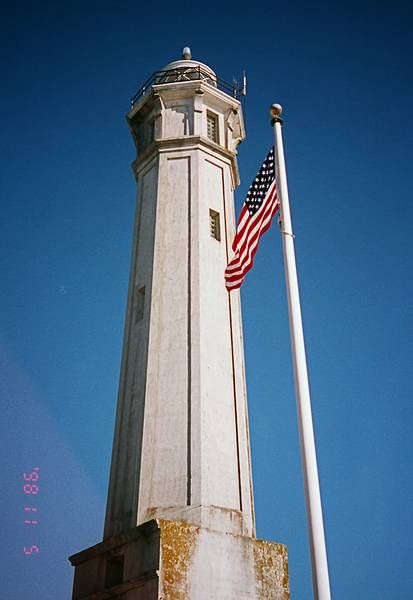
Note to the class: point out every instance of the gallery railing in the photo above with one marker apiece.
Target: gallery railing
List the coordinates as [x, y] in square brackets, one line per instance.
[193, 73]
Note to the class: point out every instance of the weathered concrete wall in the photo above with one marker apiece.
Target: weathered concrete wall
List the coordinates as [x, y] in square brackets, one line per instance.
[201, 564]
[172, 560]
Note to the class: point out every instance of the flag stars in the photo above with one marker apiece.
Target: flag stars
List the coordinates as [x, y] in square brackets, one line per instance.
[256, 194]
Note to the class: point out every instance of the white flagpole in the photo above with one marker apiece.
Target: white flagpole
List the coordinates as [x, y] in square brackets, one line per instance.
[318, 552]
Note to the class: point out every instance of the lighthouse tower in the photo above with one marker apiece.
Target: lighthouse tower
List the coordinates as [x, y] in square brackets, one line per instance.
[180, 515]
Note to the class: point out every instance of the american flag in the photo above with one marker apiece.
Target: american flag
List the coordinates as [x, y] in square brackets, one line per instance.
[259, 207]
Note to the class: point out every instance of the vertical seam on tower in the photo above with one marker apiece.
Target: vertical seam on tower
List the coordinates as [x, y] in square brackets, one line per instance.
[247, 431]
[235, 403]
[232, 351]
[189, 407]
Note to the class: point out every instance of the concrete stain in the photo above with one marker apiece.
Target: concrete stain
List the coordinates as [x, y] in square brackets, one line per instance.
[271, 570]
[177, 546]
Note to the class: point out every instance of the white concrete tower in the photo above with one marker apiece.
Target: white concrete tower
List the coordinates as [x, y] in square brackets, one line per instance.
[181, 469]
[181, 447]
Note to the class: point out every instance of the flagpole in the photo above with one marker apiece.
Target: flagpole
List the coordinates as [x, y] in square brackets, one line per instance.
[321, 584]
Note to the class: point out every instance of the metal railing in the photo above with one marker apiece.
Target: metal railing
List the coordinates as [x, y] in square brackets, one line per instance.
[191, 73]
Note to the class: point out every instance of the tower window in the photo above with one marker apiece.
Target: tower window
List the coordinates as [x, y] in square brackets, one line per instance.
[151, 133]
[114, 571]
[214, 225]
[212, 127]
[140, 303]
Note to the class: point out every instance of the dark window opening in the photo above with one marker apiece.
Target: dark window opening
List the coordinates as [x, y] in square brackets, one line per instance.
[114, 571]
[140, 303]
[151, 136]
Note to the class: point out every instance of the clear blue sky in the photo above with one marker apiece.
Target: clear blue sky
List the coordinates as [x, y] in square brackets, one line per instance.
[343, 72]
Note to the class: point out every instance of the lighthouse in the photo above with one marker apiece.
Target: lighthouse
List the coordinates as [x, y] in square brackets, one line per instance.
[180, 512]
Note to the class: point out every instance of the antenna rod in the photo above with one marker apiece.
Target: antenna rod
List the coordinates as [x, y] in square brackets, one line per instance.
[244, 84]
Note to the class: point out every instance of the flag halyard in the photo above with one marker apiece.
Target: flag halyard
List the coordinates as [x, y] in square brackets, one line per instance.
[259, 207]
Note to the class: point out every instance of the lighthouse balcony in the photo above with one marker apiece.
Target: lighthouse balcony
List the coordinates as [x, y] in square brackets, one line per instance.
[187, 72]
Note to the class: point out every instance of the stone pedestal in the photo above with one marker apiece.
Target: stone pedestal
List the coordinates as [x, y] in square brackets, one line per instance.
[174, 560]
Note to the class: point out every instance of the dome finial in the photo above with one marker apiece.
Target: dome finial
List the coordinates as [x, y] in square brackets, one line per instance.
[186, 53]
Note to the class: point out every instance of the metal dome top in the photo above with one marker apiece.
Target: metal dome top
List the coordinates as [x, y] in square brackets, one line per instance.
[187, 69]
[186, 63]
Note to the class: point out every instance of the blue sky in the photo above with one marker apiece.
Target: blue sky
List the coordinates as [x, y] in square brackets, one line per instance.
[343, 72]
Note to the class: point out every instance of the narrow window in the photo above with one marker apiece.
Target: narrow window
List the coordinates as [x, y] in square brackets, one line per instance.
[114, 571]
[151, 135]
[212, 127]
[140, 303]
[214, 225]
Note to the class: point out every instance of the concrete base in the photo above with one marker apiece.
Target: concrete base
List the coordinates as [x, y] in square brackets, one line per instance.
[173, 560]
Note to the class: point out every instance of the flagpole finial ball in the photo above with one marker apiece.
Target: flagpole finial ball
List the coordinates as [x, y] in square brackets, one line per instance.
[276, 110]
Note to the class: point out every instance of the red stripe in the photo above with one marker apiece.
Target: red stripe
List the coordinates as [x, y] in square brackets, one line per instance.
[240, 232]
[243, 211]
[237, 282]
[254, 225]
[248, 261]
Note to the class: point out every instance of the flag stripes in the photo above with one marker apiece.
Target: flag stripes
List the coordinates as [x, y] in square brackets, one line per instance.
[256, 215]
